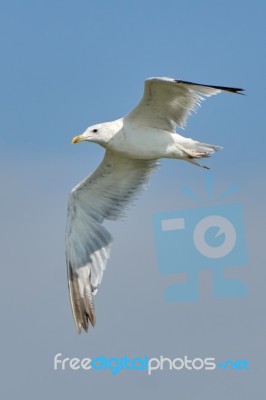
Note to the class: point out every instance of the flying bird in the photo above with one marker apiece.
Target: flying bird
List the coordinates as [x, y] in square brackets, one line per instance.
[133, 145]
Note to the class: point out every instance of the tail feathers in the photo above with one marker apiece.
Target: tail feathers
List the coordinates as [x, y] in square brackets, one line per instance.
[193, 150]
[81, 301]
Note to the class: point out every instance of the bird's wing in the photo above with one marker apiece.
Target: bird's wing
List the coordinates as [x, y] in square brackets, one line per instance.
[102, 195]
[168, 102]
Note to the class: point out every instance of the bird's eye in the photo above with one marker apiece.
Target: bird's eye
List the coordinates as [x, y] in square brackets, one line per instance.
[95, 130]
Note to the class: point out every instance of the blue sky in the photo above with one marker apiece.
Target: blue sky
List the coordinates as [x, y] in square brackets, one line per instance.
[66, 65]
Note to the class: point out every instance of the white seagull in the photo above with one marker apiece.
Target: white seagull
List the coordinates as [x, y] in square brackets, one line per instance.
[133, 145]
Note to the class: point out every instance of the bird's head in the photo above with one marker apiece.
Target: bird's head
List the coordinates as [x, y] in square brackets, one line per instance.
[99, 133]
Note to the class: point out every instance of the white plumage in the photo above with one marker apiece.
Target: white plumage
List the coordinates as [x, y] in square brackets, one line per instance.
[133, 145]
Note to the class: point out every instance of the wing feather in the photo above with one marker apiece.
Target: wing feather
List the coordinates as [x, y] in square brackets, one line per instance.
[168, 102]
[102, 195]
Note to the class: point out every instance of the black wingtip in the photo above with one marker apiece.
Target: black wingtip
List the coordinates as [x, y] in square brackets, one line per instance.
[225, 88]
[229, 89]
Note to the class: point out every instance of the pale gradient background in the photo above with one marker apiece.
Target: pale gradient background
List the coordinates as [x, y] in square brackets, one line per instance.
[66, 65]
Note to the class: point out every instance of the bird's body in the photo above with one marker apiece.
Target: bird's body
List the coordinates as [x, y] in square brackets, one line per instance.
[133, 145]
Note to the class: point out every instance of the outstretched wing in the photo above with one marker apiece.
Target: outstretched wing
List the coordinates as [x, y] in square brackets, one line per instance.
[102, 195]
[168, 102]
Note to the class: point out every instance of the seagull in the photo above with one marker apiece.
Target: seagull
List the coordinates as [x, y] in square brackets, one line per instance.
[133, 145]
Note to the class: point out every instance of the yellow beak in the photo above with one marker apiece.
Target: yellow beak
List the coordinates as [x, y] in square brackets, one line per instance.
[77, 139]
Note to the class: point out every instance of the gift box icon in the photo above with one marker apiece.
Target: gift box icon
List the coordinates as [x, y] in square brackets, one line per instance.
[197, 239]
